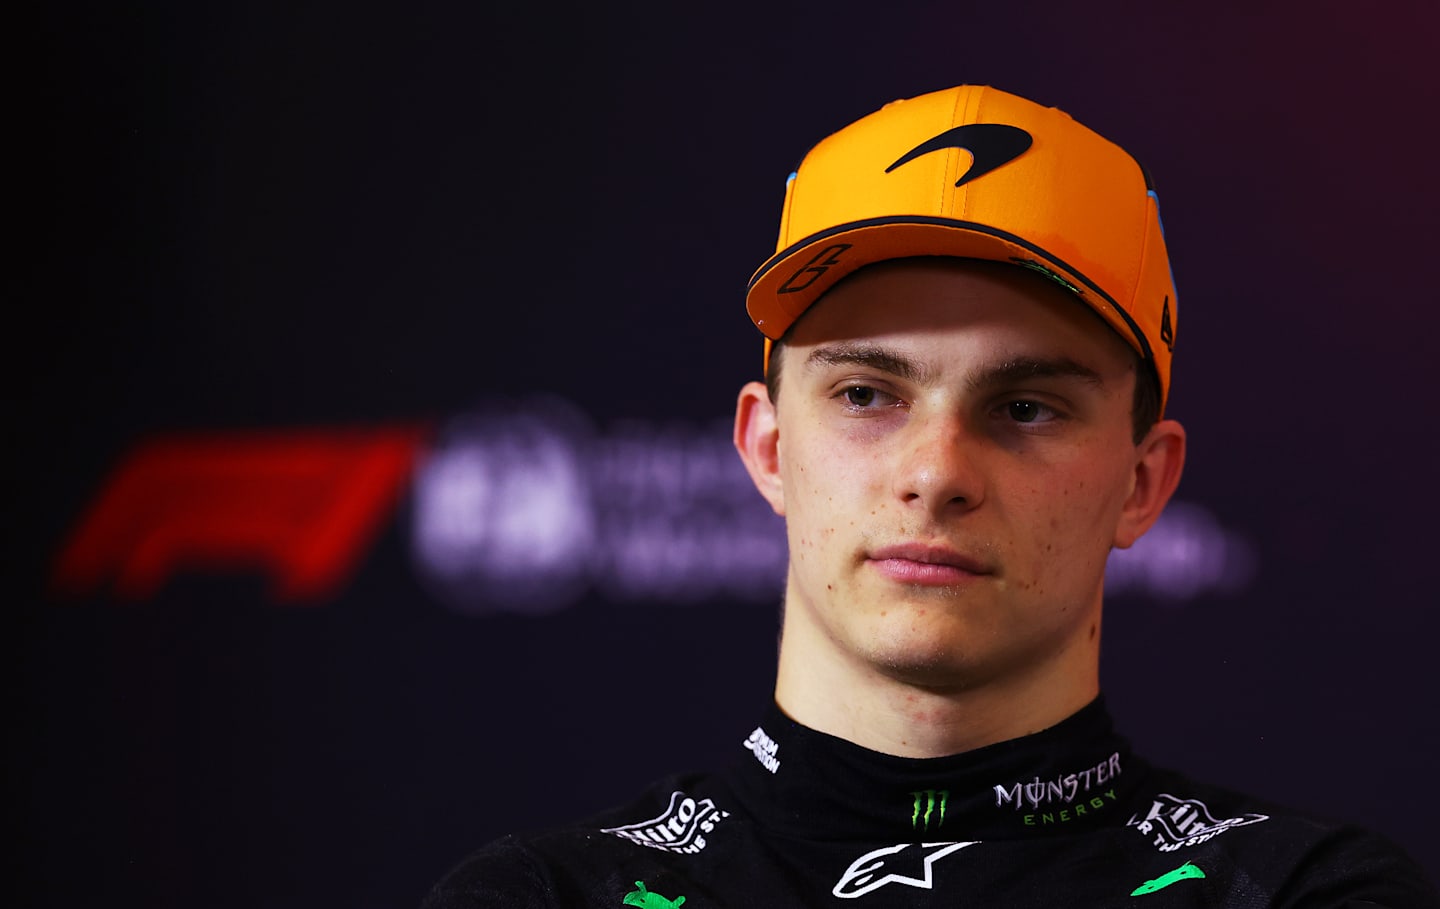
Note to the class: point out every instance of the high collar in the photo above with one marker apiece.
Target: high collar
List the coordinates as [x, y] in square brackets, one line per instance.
[808, 784]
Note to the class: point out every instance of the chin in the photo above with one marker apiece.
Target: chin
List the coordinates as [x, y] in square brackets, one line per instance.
[919, 656]
[941, 677]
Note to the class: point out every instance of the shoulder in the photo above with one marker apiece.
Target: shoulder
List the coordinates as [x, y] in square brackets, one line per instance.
[1300, 858]
[572, 864]
[501, 873]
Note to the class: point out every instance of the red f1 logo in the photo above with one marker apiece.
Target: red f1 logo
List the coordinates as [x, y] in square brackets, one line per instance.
[300, 506]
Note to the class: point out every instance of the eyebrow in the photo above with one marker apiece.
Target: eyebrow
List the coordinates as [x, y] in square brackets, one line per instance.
[1017, 369]
[871, 356]
[1023, 368]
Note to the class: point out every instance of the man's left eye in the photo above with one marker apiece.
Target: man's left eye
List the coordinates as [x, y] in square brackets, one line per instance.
[860, 396]
[1028, 411]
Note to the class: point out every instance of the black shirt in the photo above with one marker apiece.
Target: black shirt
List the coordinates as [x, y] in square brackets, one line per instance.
[1065, 817]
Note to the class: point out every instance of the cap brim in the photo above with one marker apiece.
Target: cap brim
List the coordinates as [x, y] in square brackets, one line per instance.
[787, 284]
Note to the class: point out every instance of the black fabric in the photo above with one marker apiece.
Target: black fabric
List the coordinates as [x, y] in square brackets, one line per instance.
[1065, 817]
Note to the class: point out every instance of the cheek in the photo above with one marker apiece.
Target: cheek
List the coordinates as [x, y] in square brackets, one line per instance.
[825, 493]
[1073, 520]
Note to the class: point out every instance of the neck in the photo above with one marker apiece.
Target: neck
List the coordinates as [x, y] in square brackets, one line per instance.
[897, 713]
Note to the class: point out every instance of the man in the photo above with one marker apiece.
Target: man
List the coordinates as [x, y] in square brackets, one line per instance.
[969, 325]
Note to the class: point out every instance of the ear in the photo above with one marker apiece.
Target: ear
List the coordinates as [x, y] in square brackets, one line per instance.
[757, 438]
[1159, 460]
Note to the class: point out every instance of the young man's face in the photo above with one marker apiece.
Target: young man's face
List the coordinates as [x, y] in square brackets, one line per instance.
[953, 452]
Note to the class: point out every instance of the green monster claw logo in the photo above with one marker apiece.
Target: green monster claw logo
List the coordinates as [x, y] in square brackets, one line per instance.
[928, 800]
[647, 900]
[1184, 872]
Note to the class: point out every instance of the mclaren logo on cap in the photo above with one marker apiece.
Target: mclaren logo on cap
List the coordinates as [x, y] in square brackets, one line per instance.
[991, 145]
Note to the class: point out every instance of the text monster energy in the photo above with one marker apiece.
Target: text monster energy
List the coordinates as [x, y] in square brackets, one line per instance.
[1063, 788]
[928, 803]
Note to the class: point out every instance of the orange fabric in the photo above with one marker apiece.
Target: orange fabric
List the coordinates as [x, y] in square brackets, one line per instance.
[1077, 204]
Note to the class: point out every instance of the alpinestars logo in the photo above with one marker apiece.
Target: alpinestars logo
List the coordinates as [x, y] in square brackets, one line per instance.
[680, 828]
[1178, 822]
[911, 864]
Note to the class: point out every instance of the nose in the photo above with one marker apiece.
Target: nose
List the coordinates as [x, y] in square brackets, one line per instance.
[939, 465]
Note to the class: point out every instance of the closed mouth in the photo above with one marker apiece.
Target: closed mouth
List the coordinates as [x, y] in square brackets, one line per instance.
[938, 556]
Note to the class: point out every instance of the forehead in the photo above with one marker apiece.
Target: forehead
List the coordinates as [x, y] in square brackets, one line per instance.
[960, 310]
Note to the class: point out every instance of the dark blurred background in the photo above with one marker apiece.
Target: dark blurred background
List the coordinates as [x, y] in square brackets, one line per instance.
[370, 372]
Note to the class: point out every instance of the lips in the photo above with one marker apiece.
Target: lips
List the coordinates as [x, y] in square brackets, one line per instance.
[915, 563]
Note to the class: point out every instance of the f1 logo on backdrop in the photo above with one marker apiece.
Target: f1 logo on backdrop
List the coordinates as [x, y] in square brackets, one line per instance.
[300, 507]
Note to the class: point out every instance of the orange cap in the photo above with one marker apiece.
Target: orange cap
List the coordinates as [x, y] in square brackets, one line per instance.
[978, 173]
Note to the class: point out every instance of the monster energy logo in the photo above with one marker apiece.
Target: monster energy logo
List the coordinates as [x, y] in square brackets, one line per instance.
[927, 802]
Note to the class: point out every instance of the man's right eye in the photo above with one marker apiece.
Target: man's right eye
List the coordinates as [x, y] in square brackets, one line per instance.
[867, 397]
